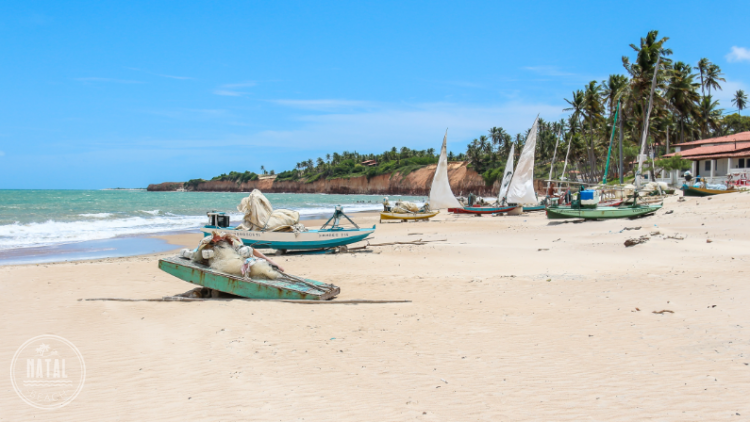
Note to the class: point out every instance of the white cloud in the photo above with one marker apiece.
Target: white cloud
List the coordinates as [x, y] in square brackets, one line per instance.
[548, 71]
[323, 104]
[726, 94]
[738, 54]
[228, 93]
[240, 85]
[119, 81]
[230, 90]
[418, 126]
[415, 125]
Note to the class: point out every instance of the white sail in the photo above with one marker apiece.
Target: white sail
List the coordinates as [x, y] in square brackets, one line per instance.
[521, 189]
[507, 177]
[441, 195]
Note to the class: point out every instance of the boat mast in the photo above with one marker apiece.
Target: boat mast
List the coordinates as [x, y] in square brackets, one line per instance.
[612, 138]
[562, 176]
[552, 163]
[645, 122]
[622, 180]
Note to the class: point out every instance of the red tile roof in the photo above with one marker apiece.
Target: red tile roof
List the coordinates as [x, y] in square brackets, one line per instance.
[740, 149]
[737, 137]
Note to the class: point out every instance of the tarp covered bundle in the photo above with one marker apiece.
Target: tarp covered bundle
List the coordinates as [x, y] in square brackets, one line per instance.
[405, 206]
[441, 195]
[260, 216]
[226, 253]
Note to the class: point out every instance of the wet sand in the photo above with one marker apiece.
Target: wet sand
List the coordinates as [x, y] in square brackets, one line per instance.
[512, 318]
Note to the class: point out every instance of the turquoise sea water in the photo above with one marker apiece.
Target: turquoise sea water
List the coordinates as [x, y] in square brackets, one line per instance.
[38, 218]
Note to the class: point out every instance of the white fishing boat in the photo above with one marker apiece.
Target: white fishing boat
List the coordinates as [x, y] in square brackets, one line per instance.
[330, 235]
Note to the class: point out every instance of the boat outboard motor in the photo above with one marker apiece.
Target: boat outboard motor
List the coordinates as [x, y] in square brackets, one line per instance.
[218, 219]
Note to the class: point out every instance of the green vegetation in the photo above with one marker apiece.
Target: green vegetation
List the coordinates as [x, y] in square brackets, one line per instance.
[675, 162]
[349, 164]
[236, 177]
[683, 110]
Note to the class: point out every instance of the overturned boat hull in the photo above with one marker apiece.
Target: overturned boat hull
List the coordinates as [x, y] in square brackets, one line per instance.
[282, 288]
[311, 239]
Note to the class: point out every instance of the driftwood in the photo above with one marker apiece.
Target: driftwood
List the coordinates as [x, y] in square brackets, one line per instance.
[415, 242]
[186, 299]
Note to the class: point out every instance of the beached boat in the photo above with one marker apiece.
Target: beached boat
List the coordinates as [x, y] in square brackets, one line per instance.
[284, 287]
[323, 238]
[480, 210]
[693, 191]
[410, 216]
[520, 187]
[534, 207]
[441, 195]
[602, 212]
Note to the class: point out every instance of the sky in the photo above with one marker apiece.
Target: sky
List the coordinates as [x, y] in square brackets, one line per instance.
[124, 94]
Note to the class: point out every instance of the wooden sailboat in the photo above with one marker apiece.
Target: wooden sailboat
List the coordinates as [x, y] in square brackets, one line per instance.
[441, 195]
[693, 191]
[521, 188]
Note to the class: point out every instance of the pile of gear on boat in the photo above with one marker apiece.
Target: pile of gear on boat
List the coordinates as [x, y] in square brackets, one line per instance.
[260, 216]
[226, 253]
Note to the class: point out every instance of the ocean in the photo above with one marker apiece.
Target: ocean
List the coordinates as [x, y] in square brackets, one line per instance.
[51, 218]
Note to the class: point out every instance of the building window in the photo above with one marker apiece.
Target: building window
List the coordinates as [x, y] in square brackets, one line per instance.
[707, 166]
[741, 163]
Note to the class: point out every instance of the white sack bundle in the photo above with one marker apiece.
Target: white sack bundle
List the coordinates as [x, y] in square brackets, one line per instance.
[408, 206]
[282, 218]
[257, 210]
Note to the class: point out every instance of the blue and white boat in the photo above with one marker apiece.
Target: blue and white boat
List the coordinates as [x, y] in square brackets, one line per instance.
[324, 238]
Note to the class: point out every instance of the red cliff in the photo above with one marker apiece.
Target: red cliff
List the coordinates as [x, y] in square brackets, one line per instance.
[462, 179]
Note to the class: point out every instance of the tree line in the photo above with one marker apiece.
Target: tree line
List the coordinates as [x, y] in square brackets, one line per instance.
[683, 109]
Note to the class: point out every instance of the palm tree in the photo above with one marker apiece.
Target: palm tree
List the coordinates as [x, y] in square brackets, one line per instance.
[682, 94]
[709, 115]
[702, 68]
[614, 88]
[713, 76]
[740, 100]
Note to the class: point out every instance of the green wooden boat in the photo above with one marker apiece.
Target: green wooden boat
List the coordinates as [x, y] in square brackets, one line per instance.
[693, 191]
[602, 212]
[285, 287]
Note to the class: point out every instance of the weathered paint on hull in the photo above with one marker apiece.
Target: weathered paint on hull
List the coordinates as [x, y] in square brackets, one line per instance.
[312, 239]
[405, 216]
[195, 273]
[692, 191]
[534, 208]
[601, 212]
[480, 210]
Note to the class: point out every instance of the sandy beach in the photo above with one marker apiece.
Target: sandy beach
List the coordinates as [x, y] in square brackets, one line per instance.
[511, 318]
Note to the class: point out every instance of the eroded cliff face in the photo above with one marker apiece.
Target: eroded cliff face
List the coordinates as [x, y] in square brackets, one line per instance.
[462, 179]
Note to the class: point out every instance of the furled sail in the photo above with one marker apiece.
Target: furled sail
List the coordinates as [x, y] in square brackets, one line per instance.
[507, 177]
[521, 189]
[441, 195]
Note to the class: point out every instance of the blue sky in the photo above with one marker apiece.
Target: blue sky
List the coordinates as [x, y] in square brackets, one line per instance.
[105, 94]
